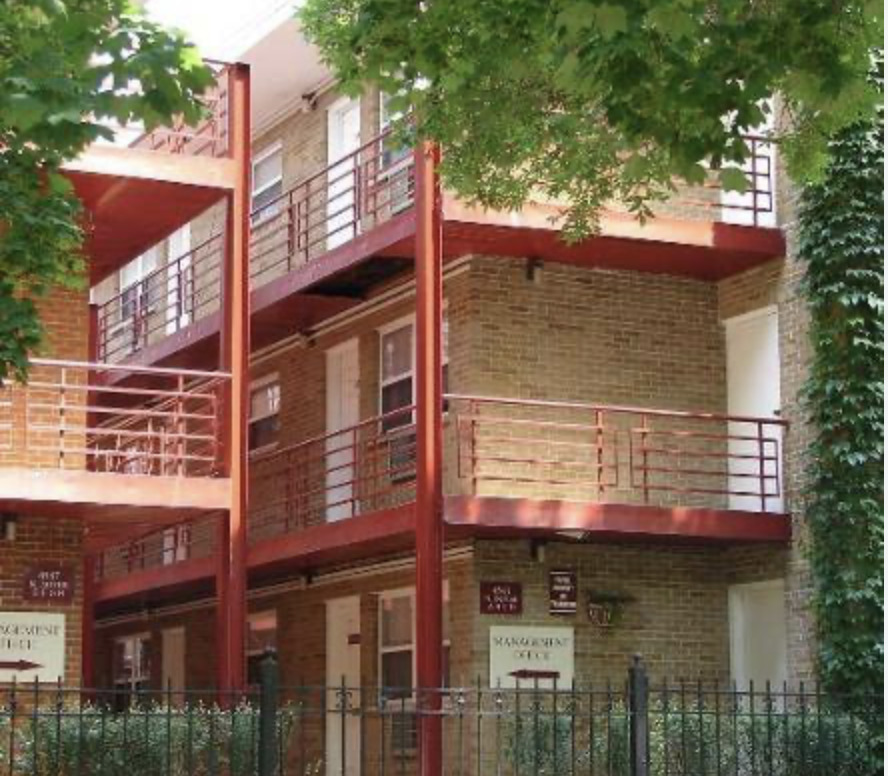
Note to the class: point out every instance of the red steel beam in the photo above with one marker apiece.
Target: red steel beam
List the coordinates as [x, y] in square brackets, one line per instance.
[231, 572]
[429, 458]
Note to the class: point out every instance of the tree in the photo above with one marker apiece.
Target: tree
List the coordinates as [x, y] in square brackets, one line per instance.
[594, 100]
[67, 69]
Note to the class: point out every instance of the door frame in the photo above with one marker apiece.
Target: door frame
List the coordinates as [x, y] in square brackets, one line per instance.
[335, 120]
[736, 625]
[352, 652]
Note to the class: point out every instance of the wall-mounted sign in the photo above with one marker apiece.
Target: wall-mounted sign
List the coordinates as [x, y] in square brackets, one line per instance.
[32, 646]
[501, 598]
[601, 615]
[562, 592]
[49, 584]
[530, 656]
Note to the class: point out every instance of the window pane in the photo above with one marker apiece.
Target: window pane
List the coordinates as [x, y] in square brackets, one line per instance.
[397, 621]
[261, 632]
[397, 672]
[397, 354]
[267, 170]
[395, 396]
[265, 400]
[264, 431]
[262, 200]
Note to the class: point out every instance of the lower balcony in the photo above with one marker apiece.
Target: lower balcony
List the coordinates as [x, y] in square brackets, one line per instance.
[124, 448]
[513, 468]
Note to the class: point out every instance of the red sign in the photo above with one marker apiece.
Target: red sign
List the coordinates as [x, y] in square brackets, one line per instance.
[501, 598]
[562, 592]
[49, 584]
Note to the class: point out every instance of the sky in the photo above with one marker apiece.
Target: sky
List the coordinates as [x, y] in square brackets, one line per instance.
[222, 29]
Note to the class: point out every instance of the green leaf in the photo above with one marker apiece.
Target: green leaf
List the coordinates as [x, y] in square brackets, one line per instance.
[734, 179]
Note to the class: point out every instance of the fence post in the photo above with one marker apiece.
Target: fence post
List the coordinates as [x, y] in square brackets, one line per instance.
[269, 687]
[638, 718]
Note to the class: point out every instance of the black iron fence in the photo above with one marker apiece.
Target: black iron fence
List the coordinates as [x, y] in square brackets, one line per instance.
[634, 729]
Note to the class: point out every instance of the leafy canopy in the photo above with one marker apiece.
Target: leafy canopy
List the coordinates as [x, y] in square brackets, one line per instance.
[587, 101]
[67, 69]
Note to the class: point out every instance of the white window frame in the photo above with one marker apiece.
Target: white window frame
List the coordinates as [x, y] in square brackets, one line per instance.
[269, 210]
[141, 273]
[397, 167]
[399, 323]
[402, 592]
[131, 683]
[255, 385]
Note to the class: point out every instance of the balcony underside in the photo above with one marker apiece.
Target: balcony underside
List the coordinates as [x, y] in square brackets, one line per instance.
[113, 507]
[391, 531]
[134, 199]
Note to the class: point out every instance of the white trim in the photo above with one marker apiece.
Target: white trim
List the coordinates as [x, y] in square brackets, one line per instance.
[759, 312]
[258, 384]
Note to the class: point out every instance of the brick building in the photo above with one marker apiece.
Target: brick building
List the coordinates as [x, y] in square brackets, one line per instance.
[621, 443]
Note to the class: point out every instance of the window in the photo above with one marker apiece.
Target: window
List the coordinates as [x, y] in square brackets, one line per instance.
[397, 636]
[176, 544]
[132, 667]
[265, 402]
[394, 159]
[397, 368]
[261, 636]
[268, 183]
[137, 295]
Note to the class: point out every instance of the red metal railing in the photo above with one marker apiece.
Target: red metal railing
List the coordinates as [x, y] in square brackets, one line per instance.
[185, 289]
[331, 207]
[362, 468]
[162, 422]
[191, 540]
[618, 454]
[327, 209]
[209, 137]
[510, 448]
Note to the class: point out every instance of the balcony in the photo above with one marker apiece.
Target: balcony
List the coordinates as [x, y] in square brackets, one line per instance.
[144, 185]
[322, 245]
[98, 440]
[513, 468]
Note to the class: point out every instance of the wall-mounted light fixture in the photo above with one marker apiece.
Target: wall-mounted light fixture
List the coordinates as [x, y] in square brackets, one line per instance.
[534, 269]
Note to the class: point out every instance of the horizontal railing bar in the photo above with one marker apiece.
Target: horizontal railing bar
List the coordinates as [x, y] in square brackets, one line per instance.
[134, 368]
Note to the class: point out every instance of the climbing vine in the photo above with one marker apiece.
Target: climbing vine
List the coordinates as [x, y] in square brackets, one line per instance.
[841, 240]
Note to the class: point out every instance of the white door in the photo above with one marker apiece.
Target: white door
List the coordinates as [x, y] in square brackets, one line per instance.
[173, 662]
[753, 372]
[178, 283]
[757, 615]
[343, 664]
[343, 139]
[342, 415]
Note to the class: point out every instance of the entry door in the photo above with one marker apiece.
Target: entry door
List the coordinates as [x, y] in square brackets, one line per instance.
[343, 662]
[173, 661]
[178, 279]
[343, 139]
[753, 372]
[342, 416]
[758, 633]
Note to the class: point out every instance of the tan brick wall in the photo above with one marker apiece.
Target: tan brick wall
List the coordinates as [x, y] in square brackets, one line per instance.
[46, 540]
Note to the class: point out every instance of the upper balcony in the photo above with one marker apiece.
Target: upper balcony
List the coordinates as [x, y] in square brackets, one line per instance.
[142, 186]
[143, 451]
[324, 244]
[513, 468]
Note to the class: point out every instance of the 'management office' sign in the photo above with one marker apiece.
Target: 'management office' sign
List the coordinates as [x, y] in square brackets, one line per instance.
[32, 646]
[526, 656]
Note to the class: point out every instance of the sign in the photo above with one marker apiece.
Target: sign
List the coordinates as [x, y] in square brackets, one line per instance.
[529, 656]
[562, 592]
[501, 598]
[49, 584]
[32, 646]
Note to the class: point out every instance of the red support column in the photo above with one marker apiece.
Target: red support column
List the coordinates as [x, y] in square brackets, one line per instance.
[429, 458]
[87, 625]
[231, 572]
